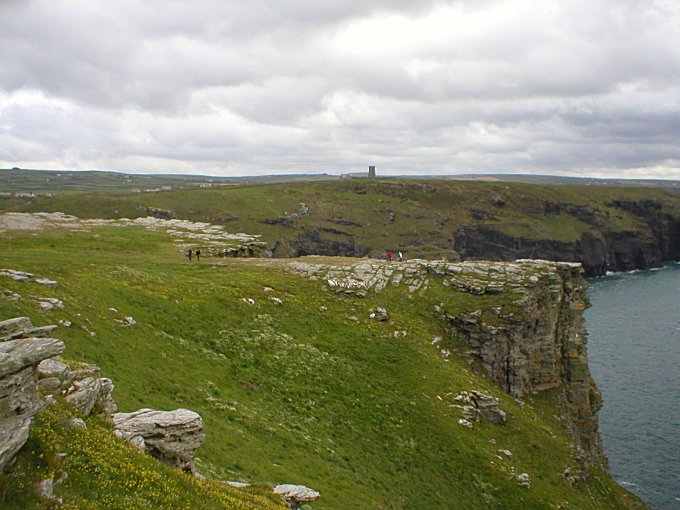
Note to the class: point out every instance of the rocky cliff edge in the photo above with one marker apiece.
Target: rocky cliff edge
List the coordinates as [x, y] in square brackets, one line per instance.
[533, 340]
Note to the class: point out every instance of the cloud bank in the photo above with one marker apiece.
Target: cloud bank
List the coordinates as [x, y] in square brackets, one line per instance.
[431, 87]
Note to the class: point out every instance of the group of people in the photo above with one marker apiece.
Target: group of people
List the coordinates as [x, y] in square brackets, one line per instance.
[389, 256]
[191, 253]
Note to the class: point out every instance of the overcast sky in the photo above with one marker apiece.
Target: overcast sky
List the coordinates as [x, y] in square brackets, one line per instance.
[228, 87]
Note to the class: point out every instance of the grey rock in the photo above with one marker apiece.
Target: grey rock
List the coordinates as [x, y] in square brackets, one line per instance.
[138, 442]
[46, 281]
[18, 354]
[236, 484]
[380, 314]
[523, 480]
[296, 495]
[21, 327]
[52, 367]
[105, 401]
[170, 436]
[45, 488]
[49, 385]
[488, 407]
[84, 394]
[50, 303]
[19, 276]
[19, 395]
[77, 423]
[10, 328]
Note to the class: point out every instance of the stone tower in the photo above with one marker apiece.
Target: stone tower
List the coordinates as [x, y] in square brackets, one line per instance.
[371, 172]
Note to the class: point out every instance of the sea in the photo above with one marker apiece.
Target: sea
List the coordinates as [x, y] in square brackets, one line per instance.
[634, 355]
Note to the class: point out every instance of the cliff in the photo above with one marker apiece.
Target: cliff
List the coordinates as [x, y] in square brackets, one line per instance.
[421, 384]
[604, 228]
[532, 339]
[654, 240]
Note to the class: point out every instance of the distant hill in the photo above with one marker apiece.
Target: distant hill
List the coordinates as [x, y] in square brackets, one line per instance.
[17, 180]
[577, 181]
[95, 181]
[607, 228]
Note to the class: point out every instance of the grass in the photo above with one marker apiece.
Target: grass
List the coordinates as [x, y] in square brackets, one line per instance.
[298, 392]
[419, 218]
[100, 471]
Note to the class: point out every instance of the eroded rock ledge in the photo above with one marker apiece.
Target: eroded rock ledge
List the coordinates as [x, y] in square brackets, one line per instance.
[533, 343]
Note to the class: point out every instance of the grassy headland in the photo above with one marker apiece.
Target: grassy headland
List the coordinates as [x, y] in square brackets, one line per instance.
[421, 218]
[310, 391]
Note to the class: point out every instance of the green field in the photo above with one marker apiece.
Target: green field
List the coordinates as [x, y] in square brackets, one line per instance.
[310, 391]
[419, 218]
[71, 182]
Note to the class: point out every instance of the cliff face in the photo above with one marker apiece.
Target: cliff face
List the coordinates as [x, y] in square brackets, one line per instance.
[599, 249]
[541, 345]
[532, 340]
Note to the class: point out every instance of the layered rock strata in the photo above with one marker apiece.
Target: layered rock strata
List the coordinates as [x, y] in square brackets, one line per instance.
[20, 400]
[535, 342]
[655, 240]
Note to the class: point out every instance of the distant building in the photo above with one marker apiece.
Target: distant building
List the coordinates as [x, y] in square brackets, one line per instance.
[360, 175]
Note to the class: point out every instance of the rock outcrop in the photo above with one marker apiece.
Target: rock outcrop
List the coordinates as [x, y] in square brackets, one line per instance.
[536, 342]
[20, 399]
[170, 436]
[541, 344]
[32, 374]
[296, 495]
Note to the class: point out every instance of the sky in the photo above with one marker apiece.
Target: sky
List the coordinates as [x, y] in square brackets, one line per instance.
[227, 87]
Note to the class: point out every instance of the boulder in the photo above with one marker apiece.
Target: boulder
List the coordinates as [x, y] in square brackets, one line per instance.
[170, 436]
[523, 480]
[296, 495]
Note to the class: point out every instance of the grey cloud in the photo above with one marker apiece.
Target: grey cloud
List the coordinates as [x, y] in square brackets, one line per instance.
[316, 86]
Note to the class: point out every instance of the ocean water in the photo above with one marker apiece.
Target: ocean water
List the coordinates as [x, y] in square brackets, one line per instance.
[634, 356]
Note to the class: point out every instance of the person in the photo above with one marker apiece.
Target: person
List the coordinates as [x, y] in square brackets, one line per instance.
[400, 258]
[198, 255]
[389, 256]
[190, 254]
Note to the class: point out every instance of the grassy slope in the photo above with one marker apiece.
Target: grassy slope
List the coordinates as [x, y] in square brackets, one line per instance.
[106, 473]
[427, 213]
[295, 393]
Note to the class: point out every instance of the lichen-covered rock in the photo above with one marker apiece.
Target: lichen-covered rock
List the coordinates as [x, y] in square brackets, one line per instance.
[10, 328]
[296, 495]
[170, 436]
[51, 368]
[84, 393]
[19, 395]
[81, 386]
[21, 327]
